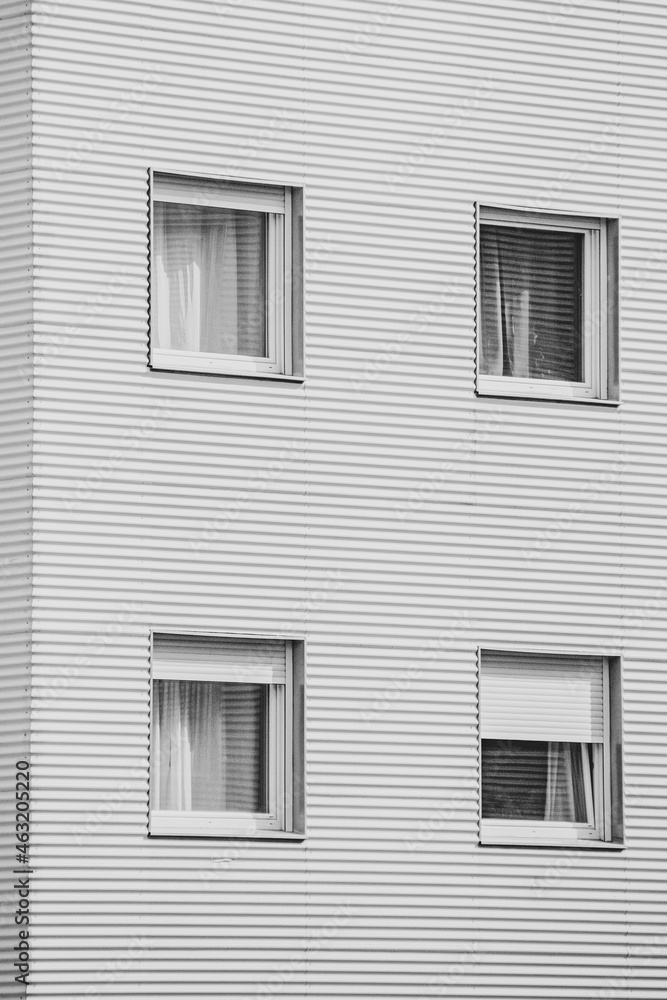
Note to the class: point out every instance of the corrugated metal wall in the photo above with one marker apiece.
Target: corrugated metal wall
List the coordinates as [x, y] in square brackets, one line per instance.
[15, 448]
[381, 507]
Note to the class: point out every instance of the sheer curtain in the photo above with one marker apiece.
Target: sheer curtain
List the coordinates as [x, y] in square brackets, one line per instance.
[210, 291]
[569, 790]
[173, 762]
[210, 746]
[532, 287]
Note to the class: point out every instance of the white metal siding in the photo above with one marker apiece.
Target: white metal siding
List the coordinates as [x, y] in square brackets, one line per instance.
[381, 507]
[15, 450]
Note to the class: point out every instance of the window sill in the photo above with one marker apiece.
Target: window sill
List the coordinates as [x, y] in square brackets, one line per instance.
[206, 835]
[572, 845]
[547, 398]
[262, 376]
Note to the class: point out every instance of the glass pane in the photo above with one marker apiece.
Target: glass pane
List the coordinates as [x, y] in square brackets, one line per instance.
[533, 780]
[211, 746]
[210, 279]
[532, 295]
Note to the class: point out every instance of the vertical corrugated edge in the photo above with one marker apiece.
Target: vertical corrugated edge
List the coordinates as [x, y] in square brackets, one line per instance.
[16, 497]
[477, 284]
[149, 263]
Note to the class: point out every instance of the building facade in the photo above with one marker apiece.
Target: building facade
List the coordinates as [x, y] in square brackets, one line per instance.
[377, 524]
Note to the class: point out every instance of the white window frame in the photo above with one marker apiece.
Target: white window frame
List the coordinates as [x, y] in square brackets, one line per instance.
[281, 267]
[596, 327]
[516, 832]
[279, 819]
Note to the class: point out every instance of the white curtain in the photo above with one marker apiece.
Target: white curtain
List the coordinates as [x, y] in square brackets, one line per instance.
[531, 303]
[506, 312]
[569, 792]
[173, 763]
[210, 266]
[210, 746]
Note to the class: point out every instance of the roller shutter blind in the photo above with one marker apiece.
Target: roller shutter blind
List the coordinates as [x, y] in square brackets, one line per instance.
[231, 194]
[246, 661]
[534, 696]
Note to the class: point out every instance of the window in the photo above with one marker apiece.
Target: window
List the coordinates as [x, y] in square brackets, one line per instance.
[225, 277]
[547, 305]
[226, 736]
[550, 749]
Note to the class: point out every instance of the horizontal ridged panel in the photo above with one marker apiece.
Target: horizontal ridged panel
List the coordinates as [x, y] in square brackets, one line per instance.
[380, 508]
